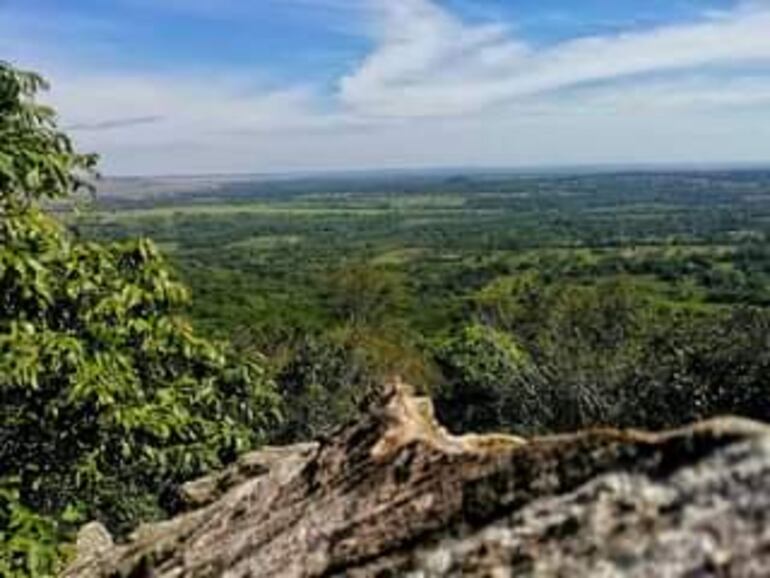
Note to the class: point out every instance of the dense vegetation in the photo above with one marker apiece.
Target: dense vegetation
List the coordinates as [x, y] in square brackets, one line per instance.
[528, 303]
[107, 397]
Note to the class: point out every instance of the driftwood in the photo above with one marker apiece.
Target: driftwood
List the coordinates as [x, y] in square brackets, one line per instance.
[395, 495]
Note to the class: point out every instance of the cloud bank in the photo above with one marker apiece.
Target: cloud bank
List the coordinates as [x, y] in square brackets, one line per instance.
[429, 63]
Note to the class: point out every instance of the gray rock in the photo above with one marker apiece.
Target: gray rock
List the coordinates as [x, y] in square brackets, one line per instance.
[206, 490]
[93, 540]
[396, 495]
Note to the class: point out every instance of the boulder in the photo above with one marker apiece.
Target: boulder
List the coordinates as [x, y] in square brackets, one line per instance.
[395, 495]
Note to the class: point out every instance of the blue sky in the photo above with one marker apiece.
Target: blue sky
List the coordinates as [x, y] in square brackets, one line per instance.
[194, 86]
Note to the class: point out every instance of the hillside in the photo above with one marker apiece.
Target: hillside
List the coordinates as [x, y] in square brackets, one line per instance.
[395, 495]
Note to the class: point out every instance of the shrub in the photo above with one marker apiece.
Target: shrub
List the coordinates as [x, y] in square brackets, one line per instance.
[490, 384]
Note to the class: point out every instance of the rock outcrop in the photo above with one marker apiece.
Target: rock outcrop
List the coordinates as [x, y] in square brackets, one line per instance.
[395, 495]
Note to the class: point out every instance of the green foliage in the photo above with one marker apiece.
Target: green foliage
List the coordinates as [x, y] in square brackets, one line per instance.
[36, 160]
[585, 339]
[696, 366]
[509, 301]
[107, 397]
[101, 380]
[588, 342]
[362, 295]
[607, 354]
[618, 288]
[490, 383]
[29, 543]
[324, 385]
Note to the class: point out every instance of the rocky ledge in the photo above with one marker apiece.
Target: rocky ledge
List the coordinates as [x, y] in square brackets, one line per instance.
[395, 495]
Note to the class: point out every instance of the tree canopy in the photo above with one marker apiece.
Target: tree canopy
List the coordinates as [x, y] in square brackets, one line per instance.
[107, 396]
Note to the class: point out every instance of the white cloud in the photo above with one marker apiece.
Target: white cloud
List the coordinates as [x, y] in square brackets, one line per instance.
[123, 115]
[184, 106]
[686, 93]
[430, 63]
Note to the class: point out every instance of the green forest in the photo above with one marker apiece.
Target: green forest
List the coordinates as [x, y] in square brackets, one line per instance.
[147, 341]
[523, 303]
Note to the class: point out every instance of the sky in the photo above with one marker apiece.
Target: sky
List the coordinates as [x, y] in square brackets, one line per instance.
[270, 86]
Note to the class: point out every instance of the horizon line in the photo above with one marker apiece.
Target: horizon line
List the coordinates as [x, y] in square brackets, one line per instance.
[540, 169]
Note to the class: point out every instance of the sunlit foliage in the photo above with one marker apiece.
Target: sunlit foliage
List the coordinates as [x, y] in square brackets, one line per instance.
[107, 396]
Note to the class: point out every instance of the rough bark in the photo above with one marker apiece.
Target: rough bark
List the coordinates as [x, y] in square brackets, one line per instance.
[395, 495]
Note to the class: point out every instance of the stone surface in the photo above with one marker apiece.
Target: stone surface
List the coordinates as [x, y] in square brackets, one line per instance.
[207, 490]
[395, 495]
[93, 540]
